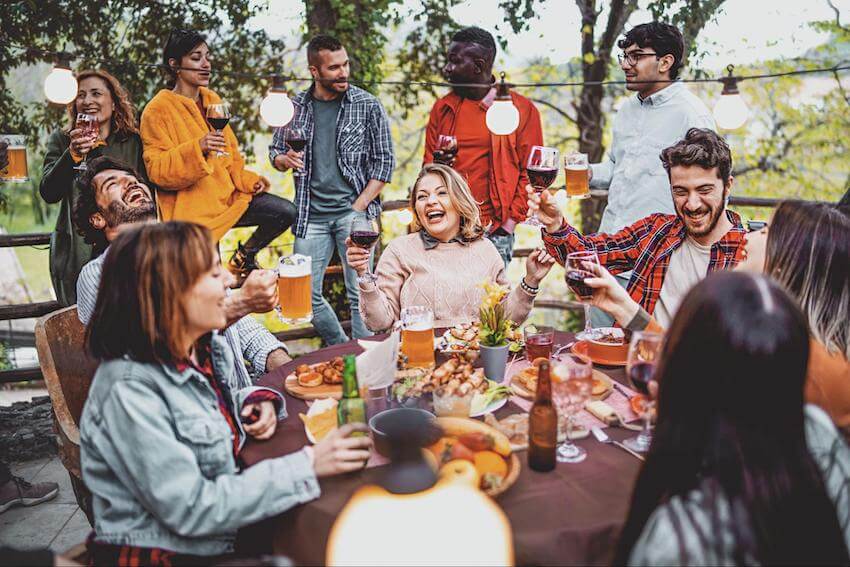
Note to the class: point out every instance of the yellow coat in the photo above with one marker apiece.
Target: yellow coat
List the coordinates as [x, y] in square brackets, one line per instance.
[209, 190]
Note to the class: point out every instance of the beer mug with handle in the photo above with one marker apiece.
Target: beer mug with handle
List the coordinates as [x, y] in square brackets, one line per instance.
[417, 336]
[16, 171]
[294, 289]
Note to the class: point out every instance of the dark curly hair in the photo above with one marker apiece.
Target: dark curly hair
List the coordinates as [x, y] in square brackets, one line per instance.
[480, 37]
[702, 147]
[318, 43]
[86, 205]
[663, 38]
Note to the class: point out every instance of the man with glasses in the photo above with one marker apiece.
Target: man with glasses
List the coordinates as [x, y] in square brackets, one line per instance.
[661, 114]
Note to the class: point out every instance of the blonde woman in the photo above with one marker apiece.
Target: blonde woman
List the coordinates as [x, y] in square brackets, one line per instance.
[441, 265]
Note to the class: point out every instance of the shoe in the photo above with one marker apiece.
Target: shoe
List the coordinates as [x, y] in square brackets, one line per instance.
[242, 263]
[18, 492]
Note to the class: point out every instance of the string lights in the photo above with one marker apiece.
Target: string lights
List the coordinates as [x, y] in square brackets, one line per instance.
[502, 117]
[276, 109]
[731, 111]
[60, 86]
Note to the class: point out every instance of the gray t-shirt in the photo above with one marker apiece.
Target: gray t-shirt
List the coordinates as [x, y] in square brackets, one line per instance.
[330, 194]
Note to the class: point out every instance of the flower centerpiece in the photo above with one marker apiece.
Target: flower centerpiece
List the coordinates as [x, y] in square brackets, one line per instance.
[494, 327]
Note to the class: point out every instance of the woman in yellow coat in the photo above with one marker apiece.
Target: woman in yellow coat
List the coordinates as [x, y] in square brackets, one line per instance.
[180, 153]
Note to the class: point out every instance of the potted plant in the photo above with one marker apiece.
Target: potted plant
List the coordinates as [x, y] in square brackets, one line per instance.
[494, 327]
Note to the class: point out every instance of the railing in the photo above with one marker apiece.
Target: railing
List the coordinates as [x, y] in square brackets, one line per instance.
[39, 309]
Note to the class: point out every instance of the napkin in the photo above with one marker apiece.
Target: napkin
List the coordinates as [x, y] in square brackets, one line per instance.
[377, 364]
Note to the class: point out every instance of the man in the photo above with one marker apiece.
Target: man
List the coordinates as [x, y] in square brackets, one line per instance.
[347, 161]
[494, 166]
[111, 199]
[668, 253]
[15, 491]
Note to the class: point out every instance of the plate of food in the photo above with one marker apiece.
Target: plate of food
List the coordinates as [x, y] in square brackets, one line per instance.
[473, 452]
[524, 384]
[463, 337]
[320, 419]
[316, 381]
[610, 348]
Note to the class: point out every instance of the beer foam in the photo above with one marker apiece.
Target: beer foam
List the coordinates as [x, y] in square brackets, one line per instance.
[576, 168]
[294, 266]
[420, 325]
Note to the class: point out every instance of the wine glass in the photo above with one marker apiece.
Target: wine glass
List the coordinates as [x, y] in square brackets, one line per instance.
[218, 115]
[91, 129]
[296, 139]
[644, 352]
[364, 234]
[542, 170]
[575, 273]
[572, 383]
[446, 149]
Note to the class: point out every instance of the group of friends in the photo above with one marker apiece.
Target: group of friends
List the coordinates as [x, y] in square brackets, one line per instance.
[749, 462]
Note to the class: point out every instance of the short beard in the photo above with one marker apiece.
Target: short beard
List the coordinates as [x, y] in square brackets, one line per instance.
[117, 214]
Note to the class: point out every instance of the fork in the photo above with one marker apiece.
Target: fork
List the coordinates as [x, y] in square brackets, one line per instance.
[602, 437]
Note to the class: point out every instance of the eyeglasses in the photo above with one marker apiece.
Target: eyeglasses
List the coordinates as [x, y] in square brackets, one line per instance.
[633, 57]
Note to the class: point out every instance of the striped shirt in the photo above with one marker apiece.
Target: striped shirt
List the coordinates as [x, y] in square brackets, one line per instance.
[247, 338]
[364, 147]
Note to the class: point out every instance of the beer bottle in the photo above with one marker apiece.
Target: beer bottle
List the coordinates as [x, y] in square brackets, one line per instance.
[542, 424]
[351, 408]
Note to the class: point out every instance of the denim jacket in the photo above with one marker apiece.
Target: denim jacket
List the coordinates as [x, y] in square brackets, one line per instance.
[157, 456]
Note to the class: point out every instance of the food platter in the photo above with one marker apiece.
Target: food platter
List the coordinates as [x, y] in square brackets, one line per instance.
[523, 383]
[303, 383]
[464, 338]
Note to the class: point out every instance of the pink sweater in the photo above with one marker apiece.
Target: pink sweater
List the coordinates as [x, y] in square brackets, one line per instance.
[445, 278]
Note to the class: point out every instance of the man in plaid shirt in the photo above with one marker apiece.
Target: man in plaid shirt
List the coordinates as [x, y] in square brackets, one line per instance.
[668, 253]
[347, 132]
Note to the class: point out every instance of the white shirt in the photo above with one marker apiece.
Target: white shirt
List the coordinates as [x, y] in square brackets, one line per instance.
[636, 181]
[688, 266]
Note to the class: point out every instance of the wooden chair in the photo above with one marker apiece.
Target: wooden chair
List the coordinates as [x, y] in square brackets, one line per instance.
[68, 371]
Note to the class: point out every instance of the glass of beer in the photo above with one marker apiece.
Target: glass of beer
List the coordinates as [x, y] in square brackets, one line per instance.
[16, 171]
[417, 336]
[294, 289]
[575, 166]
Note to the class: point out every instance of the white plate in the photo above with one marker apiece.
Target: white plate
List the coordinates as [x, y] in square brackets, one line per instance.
[491, 408]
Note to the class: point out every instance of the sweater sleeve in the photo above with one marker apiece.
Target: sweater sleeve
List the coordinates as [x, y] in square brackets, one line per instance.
[243, 179]
[380, 303]
[518, 302]
[58, 170]
[170, 164]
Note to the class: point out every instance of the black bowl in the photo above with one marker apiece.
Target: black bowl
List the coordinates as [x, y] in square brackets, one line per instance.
[412, 427]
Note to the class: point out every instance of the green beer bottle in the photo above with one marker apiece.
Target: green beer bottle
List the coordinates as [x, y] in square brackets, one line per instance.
[351, 408]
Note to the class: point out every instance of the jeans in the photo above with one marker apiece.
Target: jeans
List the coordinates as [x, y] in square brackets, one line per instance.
[504, 243]
[599, 318]
[319, 244]
[271, 214]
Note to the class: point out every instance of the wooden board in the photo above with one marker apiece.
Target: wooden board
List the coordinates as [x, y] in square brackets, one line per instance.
[524, 392]
[293, 388]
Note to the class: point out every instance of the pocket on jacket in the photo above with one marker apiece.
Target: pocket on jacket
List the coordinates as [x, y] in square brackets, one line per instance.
[351, 137]
[211, 445]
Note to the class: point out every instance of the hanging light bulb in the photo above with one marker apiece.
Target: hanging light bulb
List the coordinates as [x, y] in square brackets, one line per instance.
[405, 216]
[502, 116]
[731, 111]
[276, 109]
[60, 86]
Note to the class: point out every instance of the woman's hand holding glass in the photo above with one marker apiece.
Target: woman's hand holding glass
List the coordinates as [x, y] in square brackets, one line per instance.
[81, 141]
[212, 141]
[546, 208]
[340, 453]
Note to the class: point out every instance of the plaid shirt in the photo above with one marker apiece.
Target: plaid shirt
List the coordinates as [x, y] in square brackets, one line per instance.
[645, 247]
[363, 142]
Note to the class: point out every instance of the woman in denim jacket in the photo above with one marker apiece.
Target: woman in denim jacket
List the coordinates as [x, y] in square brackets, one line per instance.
[161, 430]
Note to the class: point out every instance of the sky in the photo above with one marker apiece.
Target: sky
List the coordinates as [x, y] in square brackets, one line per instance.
[782, 28]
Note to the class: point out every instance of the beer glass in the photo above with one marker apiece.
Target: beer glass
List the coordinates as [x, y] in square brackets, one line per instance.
[417, 336]
[575, 167]
[16, 171]
[294, 289]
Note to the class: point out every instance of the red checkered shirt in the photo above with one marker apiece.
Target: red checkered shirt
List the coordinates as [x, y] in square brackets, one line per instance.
[645, 248]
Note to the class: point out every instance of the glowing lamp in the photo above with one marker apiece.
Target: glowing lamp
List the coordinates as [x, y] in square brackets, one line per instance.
[405, 216]
[277, 110]
[60, 86]
[502, 117]
[731, 111]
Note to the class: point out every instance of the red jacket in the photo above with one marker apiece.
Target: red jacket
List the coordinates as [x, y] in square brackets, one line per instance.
[509, 154]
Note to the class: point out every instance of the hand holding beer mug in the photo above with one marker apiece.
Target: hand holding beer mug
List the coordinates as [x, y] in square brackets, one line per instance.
[294, 289]
[417, 336]
[576, 168]
[16, 153]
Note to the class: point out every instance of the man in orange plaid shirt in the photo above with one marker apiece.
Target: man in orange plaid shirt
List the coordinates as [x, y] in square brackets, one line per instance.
[668, 253]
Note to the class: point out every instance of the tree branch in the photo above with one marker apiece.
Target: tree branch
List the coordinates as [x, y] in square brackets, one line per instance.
[837, 16]
[557, 109]
[620, 12]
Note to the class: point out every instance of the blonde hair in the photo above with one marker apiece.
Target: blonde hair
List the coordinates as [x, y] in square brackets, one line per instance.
[459, 195]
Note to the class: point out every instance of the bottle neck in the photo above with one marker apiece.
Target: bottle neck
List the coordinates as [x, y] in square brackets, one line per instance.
[544, 385]
[349, 380]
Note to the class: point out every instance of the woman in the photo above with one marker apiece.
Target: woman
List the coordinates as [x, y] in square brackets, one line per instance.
[806, 248]
[161, 430]
[100, 94]
[442, 264]
[739, 471]
[181, 154]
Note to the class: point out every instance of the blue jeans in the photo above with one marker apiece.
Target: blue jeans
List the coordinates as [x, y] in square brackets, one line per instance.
[505, 245]
[319, 245]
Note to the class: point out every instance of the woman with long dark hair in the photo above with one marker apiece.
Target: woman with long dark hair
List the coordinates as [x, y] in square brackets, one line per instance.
[199, 170]
[740, 471]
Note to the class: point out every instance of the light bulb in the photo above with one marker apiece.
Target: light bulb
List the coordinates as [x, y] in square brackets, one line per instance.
[731, 111]
[276, 109]
[405, 216]
[502, 117]
[60, 86]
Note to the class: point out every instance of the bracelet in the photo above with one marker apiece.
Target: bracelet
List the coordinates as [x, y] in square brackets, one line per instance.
[528, 288]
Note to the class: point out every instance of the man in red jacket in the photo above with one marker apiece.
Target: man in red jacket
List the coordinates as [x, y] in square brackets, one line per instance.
[494, 166]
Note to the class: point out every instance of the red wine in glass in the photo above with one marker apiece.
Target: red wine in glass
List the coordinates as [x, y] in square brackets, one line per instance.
[640, 375]
[446, 149]
[218, 123]
[541, 177]
[297, 144]
[575, 279]
[364, 238]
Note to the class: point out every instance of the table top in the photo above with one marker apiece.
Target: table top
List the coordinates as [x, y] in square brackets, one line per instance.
[570, 515]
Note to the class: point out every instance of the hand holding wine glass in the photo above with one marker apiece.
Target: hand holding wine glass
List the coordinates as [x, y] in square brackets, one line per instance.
[364, 235]
[296, 139]
[446, 150]
[575, 272]
[542, 171]
[644, 353]
[84, 136]
[218, 115]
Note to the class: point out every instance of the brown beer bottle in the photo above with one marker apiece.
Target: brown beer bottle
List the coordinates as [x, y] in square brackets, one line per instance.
[542, 424]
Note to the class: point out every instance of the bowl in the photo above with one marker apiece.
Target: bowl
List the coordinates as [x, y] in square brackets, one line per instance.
[396, 418]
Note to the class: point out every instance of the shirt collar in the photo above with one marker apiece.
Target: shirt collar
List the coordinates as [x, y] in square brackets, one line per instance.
[662, 96]
[430, 242]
